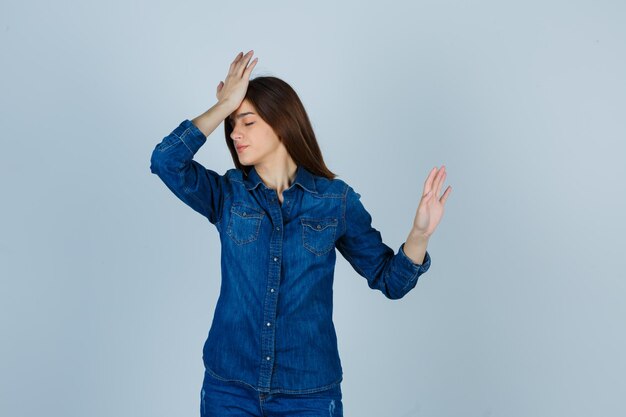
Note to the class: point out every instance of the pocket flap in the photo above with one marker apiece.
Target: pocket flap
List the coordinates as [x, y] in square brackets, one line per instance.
[244, 210]
[318, 224]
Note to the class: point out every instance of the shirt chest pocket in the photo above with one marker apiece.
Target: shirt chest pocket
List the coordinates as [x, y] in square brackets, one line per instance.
[318, 235]
[244, 223]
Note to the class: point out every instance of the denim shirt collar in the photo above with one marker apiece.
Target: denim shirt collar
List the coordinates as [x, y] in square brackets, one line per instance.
[303, 177]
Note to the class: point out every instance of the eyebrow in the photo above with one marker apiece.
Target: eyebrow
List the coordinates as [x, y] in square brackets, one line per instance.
[240, 115]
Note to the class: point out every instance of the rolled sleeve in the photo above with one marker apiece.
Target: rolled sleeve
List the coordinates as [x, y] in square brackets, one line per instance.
[423, 267]
[411, 267]
[394, 274]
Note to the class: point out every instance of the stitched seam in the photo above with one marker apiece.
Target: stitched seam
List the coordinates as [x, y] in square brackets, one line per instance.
[343, 209]
[224, 379]
[409, 281]
[311, 248]
[183, 140]
[306, 391]
[222, 208]
[187, 191]
[164, 145]
[345, 228]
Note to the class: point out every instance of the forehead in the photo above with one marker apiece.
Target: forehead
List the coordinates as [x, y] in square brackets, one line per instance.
[244, 109]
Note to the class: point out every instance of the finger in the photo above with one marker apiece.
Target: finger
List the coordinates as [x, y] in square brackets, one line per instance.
[426, 200]
[437, 179]
[250, 67]
[233, 65]
[243, 63]
[236, 58]
[441, 180]
[429, 180]
[445, 195]
[426, 196]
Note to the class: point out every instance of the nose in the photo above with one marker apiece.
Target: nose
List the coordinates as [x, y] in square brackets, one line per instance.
[235, 135]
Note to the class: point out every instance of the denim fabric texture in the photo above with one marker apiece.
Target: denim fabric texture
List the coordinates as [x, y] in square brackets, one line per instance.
[220, 398]
[272, 328]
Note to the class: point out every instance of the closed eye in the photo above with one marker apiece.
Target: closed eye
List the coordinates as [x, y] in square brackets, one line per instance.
[248, 124]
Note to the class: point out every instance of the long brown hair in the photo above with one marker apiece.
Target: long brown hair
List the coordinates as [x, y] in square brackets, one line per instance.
[278, 105]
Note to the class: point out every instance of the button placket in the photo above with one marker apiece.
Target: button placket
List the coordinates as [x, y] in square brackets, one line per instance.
[269, 317]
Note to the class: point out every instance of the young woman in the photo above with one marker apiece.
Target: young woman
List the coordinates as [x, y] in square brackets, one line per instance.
[280, 213]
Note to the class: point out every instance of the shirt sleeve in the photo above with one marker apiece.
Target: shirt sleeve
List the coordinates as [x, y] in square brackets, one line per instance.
[172, 161]
[362, 246]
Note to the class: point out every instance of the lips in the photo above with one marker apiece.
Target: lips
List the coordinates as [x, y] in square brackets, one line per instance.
[241, 148]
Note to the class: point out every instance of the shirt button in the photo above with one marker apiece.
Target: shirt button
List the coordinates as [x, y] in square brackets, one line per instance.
[271, 289]
[244, 214]
[269, 324]
[319, 227]
[277, 228]
[275, 258]
[267, 358]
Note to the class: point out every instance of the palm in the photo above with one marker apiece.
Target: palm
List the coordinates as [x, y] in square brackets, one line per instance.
[236, 85]
[430, 208]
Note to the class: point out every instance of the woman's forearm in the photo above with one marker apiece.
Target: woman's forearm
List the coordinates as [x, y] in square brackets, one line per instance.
[415, 247]
[208, 121]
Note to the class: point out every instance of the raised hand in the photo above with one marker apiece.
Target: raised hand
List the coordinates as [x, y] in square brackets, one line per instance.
[233, 90]
[430, 208]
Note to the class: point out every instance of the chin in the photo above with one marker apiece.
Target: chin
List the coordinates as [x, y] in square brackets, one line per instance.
[247, 160]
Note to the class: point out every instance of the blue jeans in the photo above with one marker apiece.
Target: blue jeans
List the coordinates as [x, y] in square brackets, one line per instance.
[220, 398]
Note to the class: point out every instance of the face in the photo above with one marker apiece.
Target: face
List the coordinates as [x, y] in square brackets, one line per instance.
[254, 139]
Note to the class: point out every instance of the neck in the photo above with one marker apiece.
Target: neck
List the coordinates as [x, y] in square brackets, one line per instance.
[278, 177]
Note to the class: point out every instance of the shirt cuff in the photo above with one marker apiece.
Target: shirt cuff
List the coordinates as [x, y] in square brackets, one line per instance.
[420, 268]
[190, 135]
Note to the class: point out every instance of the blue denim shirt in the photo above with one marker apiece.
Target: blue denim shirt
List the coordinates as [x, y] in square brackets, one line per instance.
[272, 328]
